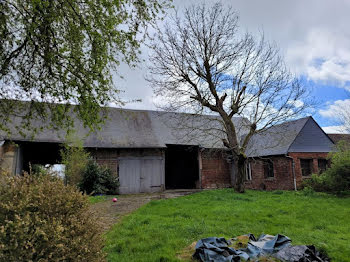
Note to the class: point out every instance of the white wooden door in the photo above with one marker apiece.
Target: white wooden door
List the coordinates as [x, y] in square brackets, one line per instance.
[129, 176]
[141, 175]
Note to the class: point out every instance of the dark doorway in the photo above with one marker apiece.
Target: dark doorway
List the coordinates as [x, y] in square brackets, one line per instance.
[39, 153]
[181, 167]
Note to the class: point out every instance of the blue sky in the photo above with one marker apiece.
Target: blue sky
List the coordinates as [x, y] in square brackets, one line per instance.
[312, 35]
[325, 95]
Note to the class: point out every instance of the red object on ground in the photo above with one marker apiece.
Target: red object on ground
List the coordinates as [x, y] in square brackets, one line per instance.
[114, 200]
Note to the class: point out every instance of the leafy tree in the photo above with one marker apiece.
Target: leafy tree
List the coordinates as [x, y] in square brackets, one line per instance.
[203, 64]
[64, 51]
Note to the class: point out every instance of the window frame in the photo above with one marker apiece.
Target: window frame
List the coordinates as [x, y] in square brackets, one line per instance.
[270, 167]
[248, 171]
[310, 160]
[325, 161]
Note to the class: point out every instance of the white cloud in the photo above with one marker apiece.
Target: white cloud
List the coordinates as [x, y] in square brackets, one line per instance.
[313, 35]
[334, 129]
[336, 110]
[338, 113]
[323, 56]
[331, 71]
[296, 103]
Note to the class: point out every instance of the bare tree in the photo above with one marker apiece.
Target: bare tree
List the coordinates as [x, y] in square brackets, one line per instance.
[344, 117]
[201, 63]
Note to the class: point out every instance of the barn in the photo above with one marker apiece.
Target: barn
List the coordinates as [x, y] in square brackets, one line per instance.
[150, 151]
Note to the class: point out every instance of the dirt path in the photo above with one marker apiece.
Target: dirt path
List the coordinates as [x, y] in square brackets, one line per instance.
[109, 213]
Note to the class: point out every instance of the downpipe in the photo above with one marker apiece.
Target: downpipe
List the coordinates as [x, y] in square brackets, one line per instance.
[293, 171]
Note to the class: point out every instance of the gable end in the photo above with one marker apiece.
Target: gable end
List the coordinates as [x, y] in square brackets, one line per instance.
[311, 138]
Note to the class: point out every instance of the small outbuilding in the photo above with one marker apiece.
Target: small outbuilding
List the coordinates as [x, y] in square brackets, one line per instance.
[286, 154]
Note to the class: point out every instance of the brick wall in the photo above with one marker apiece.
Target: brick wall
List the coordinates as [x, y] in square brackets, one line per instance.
[313, 156]
[215, 170]
[282, 170]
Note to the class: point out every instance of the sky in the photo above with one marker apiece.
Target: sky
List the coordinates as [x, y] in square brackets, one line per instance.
[312, 35]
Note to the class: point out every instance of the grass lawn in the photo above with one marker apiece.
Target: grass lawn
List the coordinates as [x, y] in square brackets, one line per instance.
[97, 199]
[162, 228]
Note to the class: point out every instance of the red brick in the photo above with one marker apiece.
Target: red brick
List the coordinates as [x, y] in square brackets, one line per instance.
[215, 172]
[298, 156]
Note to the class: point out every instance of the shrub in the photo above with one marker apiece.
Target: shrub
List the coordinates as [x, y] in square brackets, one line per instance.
[38, 169]
[319, 183]
[98, 180]
[41, 219]
[308, 191]
[75, 159]
[336, 179]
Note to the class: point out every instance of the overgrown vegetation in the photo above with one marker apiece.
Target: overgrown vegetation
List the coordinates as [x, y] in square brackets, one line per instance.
[75, 159]
[336, 179]
[67, 51]
[160, 230]
[85, 173]
[41, 219]
[98, 180]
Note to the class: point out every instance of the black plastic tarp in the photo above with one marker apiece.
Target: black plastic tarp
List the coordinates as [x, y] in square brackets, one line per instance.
[278, 246]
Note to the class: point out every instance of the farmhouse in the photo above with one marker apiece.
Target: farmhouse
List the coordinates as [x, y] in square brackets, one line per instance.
[152, 151]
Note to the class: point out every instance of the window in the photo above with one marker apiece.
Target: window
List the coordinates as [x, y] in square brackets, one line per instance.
[268, 168]
[306, 167]
[248, 171]
[322, 165]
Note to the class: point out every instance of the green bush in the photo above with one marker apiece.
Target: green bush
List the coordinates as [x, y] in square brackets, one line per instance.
[98, 180]
[308, 191]
[75, 159]
[38, 169]
[41, 219]
[336, 179]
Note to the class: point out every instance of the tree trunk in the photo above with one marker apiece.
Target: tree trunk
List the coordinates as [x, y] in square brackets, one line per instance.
[239, 173]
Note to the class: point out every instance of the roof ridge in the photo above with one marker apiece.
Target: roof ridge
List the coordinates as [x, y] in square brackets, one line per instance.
[125, 109]
[294, 120]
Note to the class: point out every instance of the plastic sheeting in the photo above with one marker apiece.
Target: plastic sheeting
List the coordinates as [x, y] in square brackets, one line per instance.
[279, 246]
[300, 253]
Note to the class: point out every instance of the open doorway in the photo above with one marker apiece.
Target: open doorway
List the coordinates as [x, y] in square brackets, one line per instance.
[181, 167]
[39, 154]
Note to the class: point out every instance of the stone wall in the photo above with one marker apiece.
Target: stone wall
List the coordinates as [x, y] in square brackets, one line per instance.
[8, 157]
[215, 170]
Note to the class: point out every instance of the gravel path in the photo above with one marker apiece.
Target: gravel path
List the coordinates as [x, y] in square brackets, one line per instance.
[109, 213]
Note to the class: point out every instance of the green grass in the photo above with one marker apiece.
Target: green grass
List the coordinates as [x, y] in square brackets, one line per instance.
[162, 228]
[97, 199]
